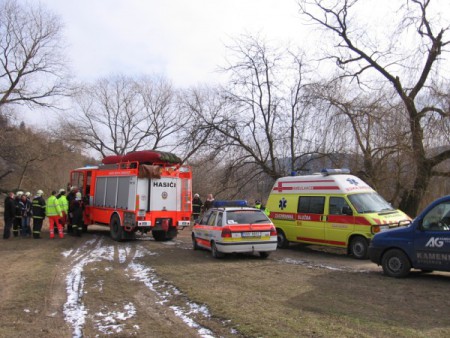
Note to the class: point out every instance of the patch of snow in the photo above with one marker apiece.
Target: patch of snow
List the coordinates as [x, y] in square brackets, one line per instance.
[109, 322]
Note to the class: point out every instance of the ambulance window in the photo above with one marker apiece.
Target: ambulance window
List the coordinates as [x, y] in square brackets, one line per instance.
[336, 205]
[311, 204]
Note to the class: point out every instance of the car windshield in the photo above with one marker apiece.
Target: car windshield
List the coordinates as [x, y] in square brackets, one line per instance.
[246, 217]
[369, 202]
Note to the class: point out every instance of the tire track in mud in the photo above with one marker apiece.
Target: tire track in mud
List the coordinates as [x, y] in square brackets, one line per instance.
[144, 305]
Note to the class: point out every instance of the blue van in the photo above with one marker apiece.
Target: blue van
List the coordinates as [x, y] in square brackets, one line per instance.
[424, 244]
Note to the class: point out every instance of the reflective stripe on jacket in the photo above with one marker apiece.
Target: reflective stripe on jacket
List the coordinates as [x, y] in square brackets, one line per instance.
[53, 208]
[63, 203]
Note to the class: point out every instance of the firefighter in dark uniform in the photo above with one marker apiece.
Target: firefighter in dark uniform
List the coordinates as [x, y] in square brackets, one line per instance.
[9, 214]
[70, 198]
[38, 213]
[197, 206]
[76, 211]
[18, 214]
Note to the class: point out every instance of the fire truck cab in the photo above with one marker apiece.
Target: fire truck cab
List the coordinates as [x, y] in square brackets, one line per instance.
[131, 196]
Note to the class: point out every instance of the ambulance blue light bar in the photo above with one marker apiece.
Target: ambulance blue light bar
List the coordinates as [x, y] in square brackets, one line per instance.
[335, 171]
[231, 203]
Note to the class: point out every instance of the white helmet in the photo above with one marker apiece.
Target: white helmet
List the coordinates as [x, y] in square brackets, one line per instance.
[28, 194]
[62, 190]
[39, 193]
[19, 193]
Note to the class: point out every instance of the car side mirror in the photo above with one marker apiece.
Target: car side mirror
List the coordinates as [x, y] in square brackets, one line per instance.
[347, 211]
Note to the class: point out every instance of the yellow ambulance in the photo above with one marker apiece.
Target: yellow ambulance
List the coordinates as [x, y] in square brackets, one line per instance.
[331, 208]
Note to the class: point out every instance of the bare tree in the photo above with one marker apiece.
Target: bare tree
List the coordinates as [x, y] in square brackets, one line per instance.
[261, 117]
[120, 114]
[359, 59]
[33, 69]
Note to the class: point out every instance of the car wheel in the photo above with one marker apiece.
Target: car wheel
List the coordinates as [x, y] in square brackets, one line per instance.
[116, 229]
[359, 247]
[215, 252]
[264, 254]
[194, 243]
[282, 242]
[395, 263]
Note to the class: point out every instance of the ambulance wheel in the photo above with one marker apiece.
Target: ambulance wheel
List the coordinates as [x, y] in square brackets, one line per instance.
[194, 243]
[264, 254]
[395, 263]
[116, 229]
[359, 247]
[282, 242]
[215, 252]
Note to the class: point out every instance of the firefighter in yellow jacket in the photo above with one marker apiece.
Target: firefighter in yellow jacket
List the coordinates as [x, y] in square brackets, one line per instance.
[54, 214]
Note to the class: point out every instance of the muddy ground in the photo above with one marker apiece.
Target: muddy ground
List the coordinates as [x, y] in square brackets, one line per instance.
[95, 287]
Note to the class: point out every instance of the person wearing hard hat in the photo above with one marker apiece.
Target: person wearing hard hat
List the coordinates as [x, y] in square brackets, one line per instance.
[70, 198]
[197, 206]
[18, 215]
[54, 214]
[64, 205]
[76, 210]
[38, 208]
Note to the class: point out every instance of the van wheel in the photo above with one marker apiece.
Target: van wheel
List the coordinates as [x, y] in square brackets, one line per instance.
[395, 263]
[264, 254]
[215, 252]
[282, 242]
[116, 229]
[359, 247]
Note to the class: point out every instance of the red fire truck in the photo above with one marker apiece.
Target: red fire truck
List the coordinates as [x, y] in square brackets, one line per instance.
[140, 191]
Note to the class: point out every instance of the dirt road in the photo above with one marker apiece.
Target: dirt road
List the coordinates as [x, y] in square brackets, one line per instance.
[94, 287]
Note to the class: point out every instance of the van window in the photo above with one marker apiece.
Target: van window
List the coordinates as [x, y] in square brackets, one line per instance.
[438, 218]
[336, 205]
[311, 204]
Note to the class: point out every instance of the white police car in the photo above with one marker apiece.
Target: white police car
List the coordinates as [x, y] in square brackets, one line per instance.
[227, 229]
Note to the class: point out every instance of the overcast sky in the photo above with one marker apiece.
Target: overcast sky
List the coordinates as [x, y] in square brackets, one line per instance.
[181, 39]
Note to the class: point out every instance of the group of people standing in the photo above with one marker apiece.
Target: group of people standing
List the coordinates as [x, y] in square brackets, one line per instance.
[198, 207]
[60, 210]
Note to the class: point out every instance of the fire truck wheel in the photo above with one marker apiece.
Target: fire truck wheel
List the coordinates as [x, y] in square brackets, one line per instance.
[359, 247]
[116, 229]
[159, 235]
[194, 243]
[215, 252]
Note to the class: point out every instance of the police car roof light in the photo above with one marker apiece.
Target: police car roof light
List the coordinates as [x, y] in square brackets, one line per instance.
[231, 203]
[326, 171]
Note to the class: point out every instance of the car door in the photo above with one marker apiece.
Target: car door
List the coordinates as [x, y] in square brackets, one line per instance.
[432, 239]
[202, 229]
